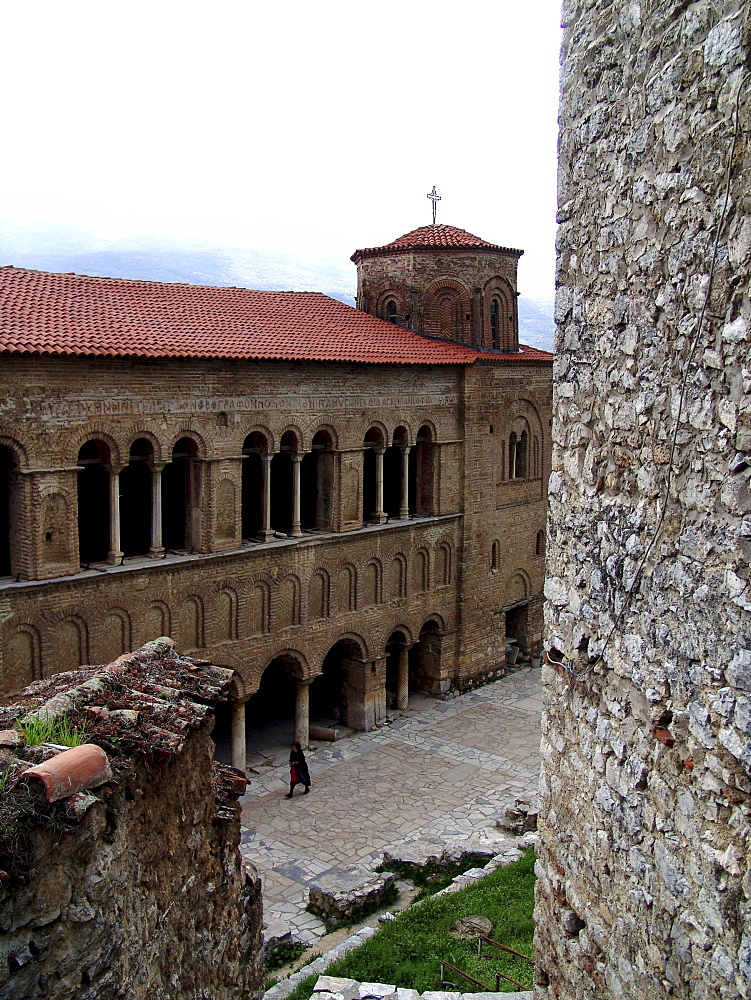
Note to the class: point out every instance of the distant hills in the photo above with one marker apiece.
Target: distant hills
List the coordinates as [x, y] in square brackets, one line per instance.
[245, 269]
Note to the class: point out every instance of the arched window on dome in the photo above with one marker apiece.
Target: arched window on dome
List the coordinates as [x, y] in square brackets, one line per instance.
[390, 312]
[494, 328]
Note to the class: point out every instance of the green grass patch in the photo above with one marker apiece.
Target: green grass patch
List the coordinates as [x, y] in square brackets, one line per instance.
[360, 912]
[435, 875]
[304, 988]
[285, 953]
[408, 951]
[58, 730]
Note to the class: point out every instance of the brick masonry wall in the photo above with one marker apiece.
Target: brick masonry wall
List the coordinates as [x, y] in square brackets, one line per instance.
[242, 606]
[412, 279]
[644, 881]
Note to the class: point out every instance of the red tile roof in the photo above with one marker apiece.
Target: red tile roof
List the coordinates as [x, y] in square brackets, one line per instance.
[435, 237]
[45, 313]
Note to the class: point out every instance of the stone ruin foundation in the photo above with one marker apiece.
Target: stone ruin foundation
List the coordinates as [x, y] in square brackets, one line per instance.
[644, 885]
[129, 883]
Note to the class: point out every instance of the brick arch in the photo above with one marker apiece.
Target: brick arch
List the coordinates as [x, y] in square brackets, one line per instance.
[115, 646]
[302, 667]
[447, 303]
[398, 294]
[396, 625]
[137, 431]
[444, 562]
[95, 432]
[302, 444]
[328, 427]
[192, 435]
[21, 642]
[519, 587]
[500, 289]
[253, 427]
[12, 442]
[366, 649]
[57, 537]
[402, 424]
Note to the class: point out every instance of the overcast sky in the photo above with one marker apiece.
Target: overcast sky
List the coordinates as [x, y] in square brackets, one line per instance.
[297, 127]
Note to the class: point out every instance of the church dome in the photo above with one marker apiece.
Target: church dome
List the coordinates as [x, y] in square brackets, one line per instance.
[432, 238]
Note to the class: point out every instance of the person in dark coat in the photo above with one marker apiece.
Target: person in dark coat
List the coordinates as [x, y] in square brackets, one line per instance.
[298, 770]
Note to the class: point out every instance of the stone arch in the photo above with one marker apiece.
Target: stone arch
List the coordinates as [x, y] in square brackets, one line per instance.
[318, 595]
[336, 695]
[273, 702]
[447, 311]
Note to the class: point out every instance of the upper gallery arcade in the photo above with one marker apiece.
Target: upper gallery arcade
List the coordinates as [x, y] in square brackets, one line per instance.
[272, 476]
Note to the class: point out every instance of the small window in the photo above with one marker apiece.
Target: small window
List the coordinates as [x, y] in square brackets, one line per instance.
[391, 311]
[494, 557]
[494, 310]
[540, 544]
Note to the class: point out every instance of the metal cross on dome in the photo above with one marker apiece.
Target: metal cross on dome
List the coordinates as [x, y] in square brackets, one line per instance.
[434, 198]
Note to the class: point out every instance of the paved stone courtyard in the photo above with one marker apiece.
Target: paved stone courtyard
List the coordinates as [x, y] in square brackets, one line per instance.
[440, 772]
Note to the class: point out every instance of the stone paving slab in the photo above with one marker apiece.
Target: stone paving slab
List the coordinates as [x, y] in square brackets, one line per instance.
[441, 773]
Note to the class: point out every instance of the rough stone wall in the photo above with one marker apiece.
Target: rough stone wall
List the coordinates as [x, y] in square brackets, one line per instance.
[139, 890]
[644, 881]
[241, 606]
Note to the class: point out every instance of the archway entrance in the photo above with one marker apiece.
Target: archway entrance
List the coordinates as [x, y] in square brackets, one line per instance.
[425, 661]
[516, 629]
[270, 712]
[7, 472]
[328, 692]
[93, 502]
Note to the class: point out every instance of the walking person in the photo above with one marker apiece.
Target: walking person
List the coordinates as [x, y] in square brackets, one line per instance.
[298, 770]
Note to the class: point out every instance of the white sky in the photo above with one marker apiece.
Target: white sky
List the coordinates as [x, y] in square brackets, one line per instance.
[293, 127]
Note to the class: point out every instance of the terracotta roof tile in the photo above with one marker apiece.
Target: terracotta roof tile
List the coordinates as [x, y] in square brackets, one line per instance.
[435, 237]
[47, 313]
[44, 313]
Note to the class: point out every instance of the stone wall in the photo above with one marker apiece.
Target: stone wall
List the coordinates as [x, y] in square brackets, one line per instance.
[135, 888]
[644, 880]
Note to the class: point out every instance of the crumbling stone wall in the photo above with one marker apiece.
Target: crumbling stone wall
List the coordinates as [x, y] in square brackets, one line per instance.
[134, 889]
[644, 881]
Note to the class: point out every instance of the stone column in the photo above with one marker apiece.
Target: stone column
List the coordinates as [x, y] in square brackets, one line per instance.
[379, 515]
[238, 735]
[302, 713]
[115, 555]
[295, 531]
[404, 507]
[157, 549]
[402, 681]
[266, 534]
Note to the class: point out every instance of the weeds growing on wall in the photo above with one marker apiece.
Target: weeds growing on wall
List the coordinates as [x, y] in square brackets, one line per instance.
[59, 730]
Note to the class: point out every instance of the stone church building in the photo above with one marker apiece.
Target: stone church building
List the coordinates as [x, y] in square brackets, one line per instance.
[340, 504]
